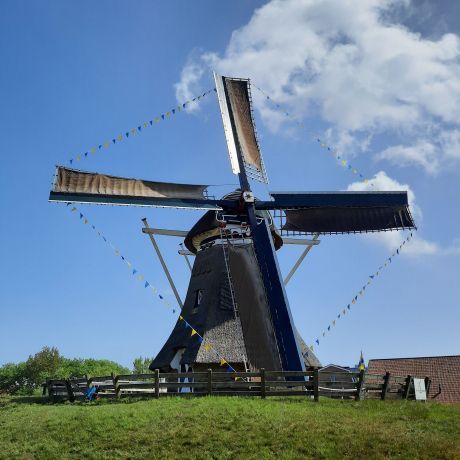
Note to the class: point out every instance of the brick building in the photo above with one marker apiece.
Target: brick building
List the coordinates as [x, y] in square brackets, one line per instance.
[444, 372]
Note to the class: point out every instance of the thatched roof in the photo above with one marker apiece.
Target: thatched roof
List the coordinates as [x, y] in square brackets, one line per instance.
[215, 318]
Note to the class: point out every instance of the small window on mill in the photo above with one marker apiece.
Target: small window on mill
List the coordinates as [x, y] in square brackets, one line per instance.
[198, 300]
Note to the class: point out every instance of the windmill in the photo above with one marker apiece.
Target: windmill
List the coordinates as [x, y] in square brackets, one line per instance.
[236, 293]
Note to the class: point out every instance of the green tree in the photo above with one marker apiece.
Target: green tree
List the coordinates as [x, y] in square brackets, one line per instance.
[12, 378]
[42, 366]
[141, 365]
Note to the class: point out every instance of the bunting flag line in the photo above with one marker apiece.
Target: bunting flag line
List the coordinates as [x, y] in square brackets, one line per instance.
[142, 126]
[361, 291]
[147, 285]
[341, 160]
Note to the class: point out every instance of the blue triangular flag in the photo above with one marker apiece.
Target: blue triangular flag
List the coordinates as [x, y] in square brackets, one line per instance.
[160, 296]
[348, 306]
[146, 285]
[127, 134]
[81, 216]
[139, 128]
[163, 116]
[317, 341]
[114, 140]
[151, 122]
[134, 271]
[71, 161]
[329, 328]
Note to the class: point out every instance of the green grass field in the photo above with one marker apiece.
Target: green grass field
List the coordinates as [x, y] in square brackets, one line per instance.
[220, 427]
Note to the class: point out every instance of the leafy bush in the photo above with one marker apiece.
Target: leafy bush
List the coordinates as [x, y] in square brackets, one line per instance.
[141, 365]
[25, 377]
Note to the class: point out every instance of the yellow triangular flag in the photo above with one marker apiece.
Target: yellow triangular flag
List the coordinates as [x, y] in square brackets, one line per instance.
[181, 317]
[344, 162]
[86, 221]
[78, 158]
[157, 119]
[207, 347]
[168, 114]
[73, 209]
[193, 332]
[146, 124]
[93, 151]
[106, 144]
[222, 362]
[120, 137]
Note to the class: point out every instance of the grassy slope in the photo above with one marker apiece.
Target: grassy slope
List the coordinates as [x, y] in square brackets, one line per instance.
[228, 428]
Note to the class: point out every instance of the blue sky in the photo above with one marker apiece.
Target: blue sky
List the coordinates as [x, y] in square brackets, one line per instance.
[74, 76]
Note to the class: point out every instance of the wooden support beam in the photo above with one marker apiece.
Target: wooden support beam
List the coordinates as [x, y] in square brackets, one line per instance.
[163, 263]
[165, 232]
[301, 258]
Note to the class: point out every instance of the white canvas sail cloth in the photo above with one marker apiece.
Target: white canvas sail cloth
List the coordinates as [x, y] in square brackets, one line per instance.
[73, 181]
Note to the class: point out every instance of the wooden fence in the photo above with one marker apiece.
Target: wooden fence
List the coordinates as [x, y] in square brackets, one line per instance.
[312, 384]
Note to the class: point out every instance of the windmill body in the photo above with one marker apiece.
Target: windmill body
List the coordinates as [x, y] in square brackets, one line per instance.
[236, 297]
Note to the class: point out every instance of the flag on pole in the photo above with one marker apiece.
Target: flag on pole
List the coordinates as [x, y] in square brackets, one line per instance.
[361, 365]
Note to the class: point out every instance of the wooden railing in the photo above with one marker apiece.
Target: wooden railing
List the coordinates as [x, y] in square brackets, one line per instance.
[313, 384]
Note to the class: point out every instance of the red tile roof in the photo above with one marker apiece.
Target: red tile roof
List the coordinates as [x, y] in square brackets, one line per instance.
[444, 372]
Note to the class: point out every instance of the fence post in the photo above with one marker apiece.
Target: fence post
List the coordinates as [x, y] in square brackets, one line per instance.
[157, 383]
[115, 385]
[263, 389]
[386, 381]
[360, 386]
[407, 387]
[316, 385]
[209, 381]
[69, 390]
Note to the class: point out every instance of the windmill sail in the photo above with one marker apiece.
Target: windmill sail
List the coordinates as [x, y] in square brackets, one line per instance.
[71, 185]
[234, 97]
[342, 212]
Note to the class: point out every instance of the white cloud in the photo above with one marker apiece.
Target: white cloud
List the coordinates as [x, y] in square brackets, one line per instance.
[450, 143]
[392, 240]
[348, 65]
[423, 153]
